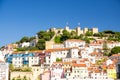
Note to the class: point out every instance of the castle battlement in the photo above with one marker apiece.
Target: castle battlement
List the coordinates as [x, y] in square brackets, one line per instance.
[78, 30]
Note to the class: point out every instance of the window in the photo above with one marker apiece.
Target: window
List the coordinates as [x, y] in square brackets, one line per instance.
[73, 52]
[75, 71]
[69, 74]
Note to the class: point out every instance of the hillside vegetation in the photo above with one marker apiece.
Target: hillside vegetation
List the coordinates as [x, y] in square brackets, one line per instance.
[60, 38]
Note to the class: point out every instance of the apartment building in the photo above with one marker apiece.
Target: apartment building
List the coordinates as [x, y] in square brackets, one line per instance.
[4, 71]
[20, 59]
[74, 43]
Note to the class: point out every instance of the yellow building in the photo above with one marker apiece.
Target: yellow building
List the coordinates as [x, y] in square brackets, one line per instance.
[111, 71]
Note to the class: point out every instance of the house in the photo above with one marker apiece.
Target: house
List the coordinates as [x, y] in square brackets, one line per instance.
[96, 44]
[4, 70]
[57, 71]
[112, 44]
[24, 44]
[53, 54]
[57, 46]
[21, 59]
[36, 70]
[74, 43]
[85, 52]
[1, 56]
[45, 75]
[111, 71]
[79, 71]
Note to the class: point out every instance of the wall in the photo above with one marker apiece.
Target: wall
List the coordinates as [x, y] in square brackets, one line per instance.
[28, 75]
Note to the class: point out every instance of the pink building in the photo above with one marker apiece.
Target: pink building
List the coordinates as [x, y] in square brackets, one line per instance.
[45, 75]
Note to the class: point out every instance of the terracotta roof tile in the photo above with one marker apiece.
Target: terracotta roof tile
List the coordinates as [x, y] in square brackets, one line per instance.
[58, 49]
[78, 65]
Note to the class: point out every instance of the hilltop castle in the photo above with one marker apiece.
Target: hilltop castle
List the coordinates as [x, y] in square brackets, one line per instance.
[78, 30]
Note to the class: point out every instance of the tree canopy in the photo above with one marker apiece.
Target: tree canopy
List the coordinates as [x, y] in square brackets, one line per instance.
[115, 50]
[89, 33]
[109, 32]
[45, 35]
[24, 39]
[41, 44]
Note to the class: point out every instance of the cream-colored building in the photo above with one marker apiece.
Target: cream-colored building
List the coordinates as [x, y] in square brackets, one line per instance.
[78, 30]
[54, 54]
[32, 75]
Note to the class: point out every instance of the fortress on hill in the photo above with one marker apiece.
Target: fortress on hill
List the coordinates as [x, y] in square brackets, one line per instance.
[78, 30]
[50, 44]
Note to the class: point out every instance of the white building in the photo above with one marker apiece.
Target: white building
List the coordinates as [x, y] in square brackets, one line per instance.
[56, 71]
[79, 71]
[54, 54]
[85, 52]
[33, 61]
[20, 61]
[4, 71]
[1, 56]
[74, 43]
[24, 44]
[57, 46]
[98, 75]
[113, 44]
[17, 61]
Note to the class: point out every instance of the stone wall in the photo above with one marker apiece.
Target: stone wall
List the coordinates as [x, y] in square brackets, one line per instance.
[16, 74]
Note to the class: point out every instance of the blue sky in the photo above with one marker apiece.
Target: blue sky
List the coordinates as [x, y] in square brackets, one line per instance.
[20, 18]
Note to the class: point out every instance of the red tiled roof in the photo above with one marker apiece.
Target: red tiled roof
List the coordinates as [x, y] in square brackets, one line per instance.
[78, 65]
[58, 49]
[97, 71]
[94, 53]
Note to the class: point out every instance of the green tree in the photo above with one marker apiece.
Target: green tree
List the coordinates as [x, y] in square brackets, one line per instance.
[45, 35]
[96, 34]
[89, 33]
[86, 39]
[115, 50]
[13, 79]
[24, 78]
[41, 34]
[57, 39]
[51, 34]
[73, 34]
[22, 49]
[33, 48]
[65, 35]
[31, 38]
[41, 44]
[58, 59]
[11, 67]
[24, 39]
[109, 32]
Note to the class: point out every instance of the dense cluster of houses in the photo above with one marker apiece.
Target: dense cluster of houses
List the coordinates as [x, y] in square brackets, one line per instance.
[72, 60]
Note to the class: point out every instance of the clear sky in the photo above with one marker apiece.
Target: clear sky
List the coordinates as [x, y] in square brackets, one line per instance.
[20, 18]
